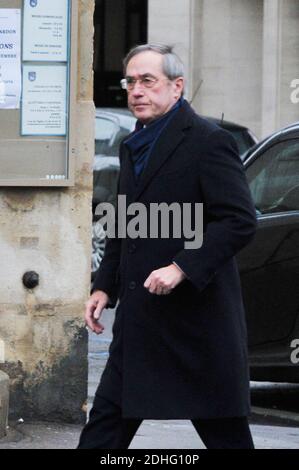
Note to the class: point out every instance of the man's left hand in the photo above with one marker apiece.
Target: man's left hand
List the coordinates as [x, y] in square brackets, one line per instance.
[162, 281]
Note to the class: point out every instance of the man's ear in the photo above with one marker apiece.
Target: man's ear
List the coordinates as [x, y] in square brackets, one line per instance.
[179, 85]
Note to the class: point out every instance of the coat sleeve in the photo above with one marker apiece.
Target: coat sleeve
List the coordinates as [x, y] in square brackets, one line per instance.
[229, 213]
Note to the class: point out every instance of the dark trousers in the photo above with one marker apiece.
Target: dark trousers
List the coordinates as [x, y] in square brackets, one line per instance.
[106, 429]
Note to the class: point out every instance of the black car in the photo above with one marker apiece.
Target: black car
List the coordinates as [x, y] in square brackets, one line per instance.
[269, 266]
[243, 136]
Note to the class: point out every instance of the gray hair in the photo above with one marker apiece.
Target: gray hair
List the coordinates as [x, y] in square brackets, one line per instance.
[173, 67]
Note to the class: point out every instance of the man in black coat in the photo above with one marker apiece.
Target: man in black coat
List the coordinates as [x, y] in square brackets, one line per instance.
[179, 348]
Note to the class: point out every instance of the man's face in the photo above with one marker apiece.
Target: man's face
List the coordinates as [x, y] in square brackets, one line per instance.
[148, 104]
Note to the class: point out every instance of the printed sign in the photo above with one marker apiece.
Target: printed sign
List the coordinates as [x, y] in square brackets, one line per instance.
[44, 100]
[10, 60]
[45, 34]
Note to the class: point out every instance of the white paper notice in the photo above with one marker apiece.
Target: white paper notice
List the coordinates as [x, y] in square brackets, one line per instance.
[44, 100]
[10, 60]
[45, 33]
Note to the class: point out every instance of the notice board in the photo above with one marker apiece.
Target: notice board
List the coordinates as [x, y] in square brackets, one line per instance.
[38, 69]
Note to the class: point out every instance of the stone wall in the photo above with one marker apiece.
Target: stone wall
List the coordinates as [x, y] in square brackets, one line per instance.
[244, 53]
[44, 340]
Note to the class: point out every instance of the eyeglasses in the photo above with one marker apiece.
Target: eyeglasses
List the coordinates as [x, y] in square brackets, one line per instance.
[129, 83]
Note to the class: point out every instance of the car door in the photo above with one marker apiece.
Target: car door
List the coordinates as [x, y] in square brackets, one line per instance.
[269, 266]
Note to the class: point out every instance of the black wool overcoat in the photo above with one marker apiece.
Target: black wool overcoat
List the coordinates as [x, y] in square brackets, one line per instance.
[182, 355]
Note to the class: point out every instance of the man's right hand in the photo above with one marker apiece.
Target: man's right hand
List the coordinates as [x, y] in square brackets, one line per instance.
[94, 307]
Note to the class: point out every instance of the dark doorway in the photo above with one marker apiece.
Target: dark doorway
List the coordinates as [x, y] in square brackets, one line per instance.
[119, 25]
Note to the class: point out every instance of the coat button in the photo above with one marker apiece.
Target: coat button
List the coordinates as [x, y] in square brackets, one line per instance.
[132, 285]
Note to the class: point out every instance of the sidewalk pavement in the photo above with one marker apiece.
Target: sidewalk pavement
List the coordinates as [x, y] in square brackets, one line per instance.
[150, 435]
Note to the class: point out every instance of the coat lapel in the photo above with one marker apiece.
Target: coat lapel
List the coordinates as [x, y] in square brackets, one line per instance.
[169, 140]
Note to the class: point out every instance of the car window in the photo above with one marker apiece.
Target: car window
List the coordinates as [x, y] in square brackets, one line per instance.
[274, 178]
[243, 139]
[108, 136]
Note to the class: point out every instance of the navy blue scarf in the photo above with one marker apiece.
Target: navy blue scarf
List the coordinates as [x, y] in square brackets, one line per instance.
[141, 142]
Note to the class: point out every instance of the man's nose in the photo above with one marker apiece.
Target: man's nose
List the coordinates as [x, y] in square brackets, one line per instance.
[138, 90]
